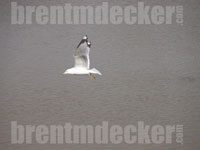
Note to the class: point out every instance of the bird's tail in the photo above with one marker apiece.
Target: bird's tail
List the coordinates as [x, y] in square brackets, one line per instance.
[95, 71]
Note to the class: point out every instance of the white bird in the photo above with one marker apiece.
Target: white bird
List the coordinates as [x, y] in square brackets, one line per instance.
[82, 60]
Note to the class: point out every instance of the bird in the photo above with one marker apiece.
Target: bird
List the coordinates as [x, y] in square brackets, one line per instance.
[82, 60]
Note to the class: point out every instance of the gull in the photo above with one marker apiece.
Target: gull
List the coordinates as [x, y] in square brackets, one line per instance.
[82, 60]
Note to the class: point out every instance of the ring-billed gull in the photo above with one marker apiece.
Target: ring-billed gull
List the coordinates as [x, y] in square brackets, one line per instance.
[82, 60]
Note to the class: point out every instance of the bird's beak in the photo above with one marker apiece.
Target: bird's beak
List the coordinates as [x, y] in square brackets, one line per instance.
[64, 73]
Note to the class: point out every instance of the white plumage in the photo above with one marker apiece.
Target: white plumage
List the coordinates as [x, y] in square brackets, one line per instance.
[82, 60]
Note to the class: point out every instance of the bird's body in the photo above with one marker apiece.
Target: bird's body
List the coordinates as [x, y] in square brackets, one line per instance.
[82, 60]
[82, 70]
[77, 70]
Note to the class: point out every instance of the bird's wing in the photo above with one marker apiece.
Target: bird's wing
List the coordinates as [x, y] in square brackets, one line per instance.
[81, 55]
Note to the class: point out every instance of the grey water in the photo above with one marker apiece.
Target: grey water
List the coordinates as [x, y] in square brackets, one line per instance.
[151, 73]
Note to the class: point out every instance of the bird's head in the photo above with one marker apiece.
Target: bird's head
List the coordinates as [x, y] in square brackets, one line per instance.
[64, 73]
[68, 71]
